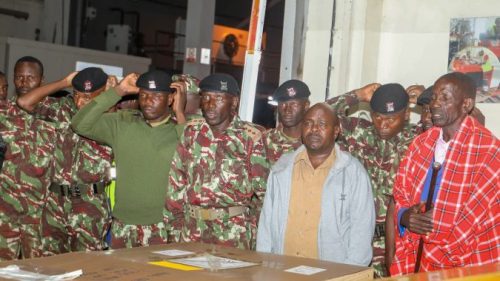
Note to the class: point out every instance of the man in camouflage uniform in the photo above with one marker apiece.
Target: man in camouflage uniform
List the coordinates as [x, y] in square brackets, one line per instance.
[218, 167]
[379, 145]
[76, 217]
[293, 101]
[24, 181]
[27, 169]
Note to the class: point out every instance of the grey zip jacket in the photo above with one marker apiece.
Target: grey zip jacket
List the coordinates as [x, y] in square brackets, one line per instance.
[347, 220]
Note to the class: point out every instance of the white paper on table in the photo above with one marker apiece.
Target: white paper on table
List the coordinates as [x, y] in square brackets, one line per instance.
[213, 262]
[174, 253]
[16, 273]
[305, 270]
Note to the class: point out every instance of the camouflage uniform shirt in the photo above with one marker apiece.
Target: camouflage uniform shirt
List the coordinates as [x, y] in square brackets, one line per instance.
[24, 180]
[380, 157]
[78, 161]
[276, 143]
[28, 165]
[217, 172]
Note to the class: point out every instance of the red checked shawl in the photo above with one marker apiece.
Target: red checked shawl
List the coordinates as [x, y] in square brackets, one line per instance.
[466, 211]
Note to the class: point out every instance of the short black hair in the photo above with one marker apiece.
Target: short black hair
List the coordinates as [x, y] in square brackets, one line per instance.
[32, 60]
[1, 73]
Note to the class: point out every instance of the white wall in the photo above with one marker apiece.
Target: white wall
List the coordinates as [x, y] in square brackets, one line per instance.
[414, 42]
[404, 41]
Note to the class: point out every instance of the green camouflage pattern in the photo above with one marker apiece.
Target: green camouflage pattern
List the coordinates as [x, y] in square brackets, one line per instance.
[276, 143]
[74, 223]
[129, 236]
[379, 157]
[24, 180]
[191, 82]
[222, 172]
[59, 110]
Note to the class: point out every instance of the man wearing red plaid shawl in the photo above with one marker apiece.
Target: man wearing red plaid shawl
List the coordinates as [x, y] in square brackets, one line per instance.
[463, 226]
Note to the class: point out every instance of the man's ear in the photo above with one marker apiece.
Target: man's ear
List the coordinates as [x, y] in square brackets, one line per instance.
[469, 104]
[235, 103]
[336, 131]
[407, 114]
[170, 99]
[306, 105]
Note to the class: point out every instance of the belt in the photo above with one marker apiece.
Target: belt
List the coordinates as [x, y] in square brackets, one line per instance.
[379, 230]
[78, 189]
[211, 214]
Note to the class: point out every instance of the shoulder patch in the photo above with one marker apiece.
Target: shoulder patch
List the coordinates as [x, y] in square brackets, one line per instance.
[195, 121]
[253, 130]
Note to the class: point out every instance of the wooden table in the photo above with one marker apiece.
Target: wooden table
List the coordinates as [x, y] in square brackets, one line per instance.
[133, 264]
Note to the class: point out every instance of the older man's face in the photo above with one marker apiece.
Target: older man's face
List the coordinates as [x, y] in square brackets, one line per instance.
[448, 104]
[319, 129]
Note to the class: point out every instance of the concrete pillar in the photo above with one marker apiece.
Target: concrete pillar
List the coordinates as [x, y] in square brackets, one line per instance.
[199, 26]
[317, 47]
[306, 48]
[293, 40]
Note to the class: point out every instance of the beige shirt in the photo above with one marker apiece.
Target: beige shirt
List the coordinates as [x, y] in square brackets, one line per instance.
[301, 235]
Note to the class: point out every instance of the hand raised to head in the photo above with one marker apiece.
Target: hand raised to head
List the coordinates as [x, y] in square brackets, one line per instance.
[128, 85]
[366, 92]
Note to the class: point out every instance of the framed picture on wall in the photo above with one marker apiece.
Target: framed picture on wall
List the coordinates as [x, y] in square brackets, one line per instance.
[474, 49]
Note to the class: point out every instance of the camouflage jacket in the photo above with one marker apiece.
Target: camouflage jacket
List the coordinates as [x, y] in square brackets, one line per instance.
[78, 160]
[218, 172]
[276, 143]
[380, 157]
[28, 165]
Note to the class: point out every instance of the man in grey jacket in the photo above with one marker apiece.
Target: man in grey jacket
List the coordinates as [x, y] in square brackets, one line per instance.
[319, 202]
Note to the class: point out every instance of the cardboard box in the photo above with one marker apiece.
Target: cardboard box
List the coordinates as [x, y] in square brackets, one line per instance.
[133, 264]
[478, 273]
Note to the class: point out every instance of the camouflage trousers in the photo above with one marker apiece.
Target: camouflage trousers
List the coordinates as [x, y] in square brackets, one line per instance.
[378, 261]
[130, 235]
[75, 223]
[19, 238]
[238, 231]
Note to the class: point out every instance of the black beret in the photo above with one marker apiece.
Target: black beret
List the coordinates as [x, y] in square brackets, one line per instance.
[291, 89]
[425, 97]
[89, 79]
[389, 98]
[155, 80]
[220, 82]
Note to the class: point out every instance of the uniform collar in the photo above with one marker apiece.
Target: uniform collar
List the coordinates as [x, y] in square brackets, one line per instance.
[280, 130]
[156, 124]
